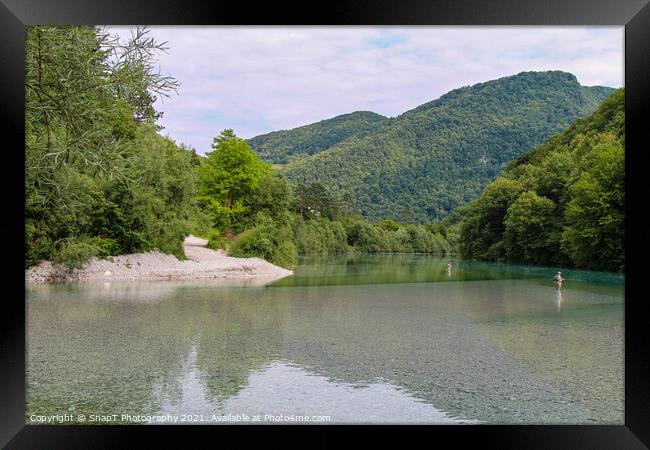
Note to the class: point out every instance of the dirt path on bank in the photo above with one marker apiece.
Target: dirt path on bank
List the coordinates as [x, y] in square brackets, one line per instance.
[196, 250]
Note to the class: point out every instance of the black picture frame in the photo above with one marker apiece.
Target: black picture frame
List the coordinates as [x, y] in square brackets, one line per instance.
[15, 14]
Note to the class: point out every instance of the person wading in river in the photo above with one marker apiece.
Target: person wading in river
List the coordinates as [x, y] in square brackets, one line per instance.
[558, 280]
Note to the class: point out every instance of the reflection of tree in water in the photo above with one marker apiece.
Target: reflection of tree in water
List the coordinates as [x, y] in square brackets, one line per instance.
[238, 335]
[358, 335]
[102, 357]
[108, 356]
[369, 269]
[395, 268]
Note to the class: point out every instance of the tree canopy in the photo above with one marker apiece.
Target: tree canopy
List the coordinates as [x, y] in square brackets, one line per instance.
[101, 179]
[227, 178]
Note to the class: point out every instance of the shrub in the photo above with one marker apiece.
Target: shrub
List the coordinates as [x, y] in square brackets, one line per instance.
[321, 236]
[217, 240]
[268, 240]
[74, 252]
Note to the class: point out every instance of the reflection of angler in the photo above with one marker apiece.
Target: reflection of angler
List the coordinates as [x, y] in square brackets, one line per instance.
[558, 299]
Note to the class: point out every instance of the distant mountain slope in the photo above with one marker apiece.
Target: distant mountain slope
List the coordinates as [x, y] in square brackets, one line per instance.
[440, 155]
[280, 146]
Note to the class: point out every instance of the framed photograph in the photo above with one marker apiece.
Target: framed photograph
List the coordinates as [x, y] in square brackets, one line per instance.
[373, 214]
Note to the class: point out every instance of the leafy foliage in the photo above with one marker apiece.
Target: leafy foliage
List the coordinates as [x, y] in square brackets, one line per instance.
[320, 235]
[595, 215]
[227, 178]
[273, 195]
[99, 179]
[267, 239]
[306, 221]
[315, 200]
[530, 228]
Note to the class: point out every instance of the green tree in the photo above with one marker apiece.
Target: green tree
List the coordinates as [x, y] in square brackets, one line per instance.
[389, 225]
[273, 194]
[482, 230]
[572, 210]
[267, 239]
[228, 178]
[81, 102]
[529, 227]
[364, 236]
[348, 204]
[315, 200]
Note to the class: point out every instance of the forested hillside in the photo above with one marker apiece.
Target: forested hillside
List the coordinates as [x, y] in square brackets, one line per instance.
[562, 203]
[440, 155]
[281, 146]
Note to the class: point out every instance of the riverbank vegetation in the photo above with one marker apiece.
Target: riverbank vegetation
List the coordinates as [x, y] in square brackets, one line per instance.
[99, 178]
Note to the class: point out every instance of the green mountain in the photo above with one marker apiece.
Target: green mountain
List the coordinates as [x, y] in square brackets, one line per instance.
[431, 159]
[562, 203]
[281, 146]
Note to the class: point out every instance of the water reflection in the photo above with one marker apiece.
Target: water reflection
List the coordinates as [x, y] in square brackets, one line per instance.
[281, 390]
[492, 350]
[558, 299]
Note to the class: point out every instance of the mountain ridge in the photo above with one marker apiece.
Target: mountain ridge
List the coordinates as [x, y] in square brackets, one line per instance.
[281, 145]
[423, 163]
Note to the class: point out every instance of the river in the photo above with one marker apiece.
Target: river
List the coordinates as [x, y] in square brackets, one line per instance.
[348, 339]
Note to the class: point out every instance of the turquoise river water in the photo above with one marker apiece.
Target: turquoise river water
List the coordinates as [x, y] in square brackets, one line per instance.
[350, 339]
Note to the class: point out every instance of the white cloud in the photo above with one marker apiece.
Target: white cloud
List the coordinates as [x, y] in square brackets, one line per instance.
[260, 79]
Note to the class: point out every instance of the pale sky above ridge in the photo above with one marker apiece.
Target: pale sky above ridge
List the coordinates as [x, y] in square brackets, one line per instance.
[267, 78]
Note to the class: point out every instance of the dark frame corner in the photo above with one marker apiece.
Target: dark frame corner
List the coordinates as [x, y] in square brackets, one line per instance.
[633, 14]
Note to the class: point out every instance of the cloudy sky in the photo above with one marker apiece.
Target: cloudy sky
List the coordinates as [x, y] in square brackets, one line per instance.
[260, 79]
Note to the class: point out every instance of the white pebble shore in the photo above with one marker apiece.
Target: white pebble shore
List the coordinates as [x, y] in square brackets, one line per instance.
[202, 263]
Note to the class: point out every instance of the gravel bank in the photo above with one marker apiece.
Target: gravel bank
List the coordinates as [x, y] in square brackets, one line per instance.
[202, 263]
